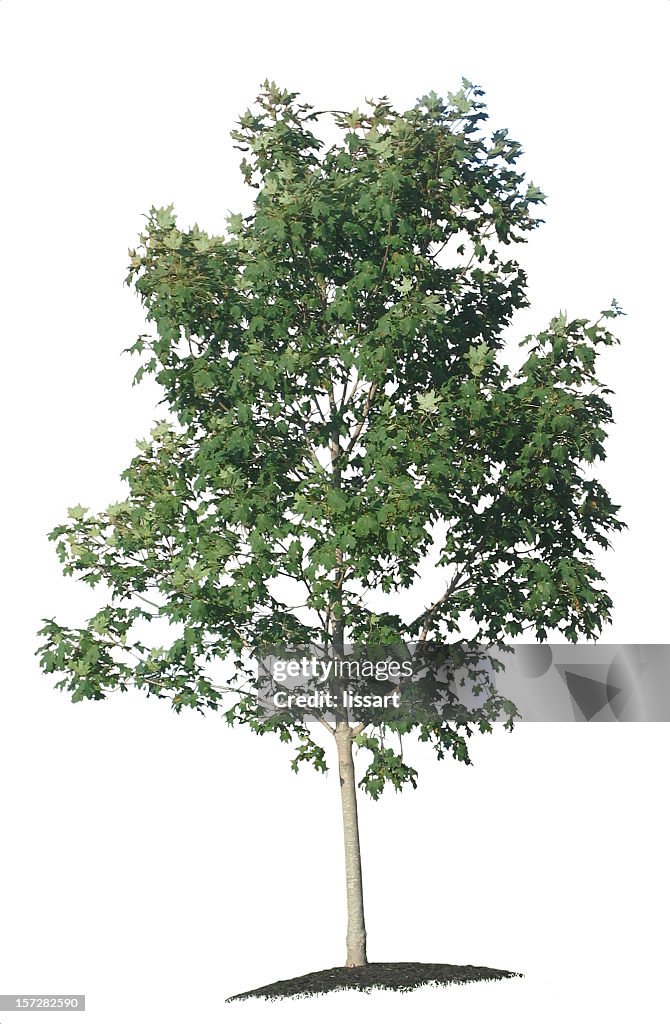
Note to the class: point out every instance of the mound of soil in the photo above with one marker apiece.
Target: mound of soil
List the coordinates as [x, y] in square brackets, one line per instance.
[402, 977]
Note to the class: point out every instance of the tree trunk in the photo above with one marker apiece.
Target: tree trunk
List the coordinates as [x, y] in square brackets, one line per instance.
[356, 939]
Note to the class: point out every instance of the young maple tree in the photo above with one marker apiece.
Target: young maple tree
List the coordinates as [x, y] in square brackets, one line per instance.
[337, 410]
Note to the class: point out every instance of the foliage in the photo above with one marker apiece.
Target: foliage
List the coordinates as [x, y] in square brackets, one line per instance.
[335, 399]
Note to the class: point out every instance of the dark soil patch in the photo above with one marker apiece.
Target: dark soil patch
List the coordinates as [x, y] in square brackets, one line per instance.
[400, 977]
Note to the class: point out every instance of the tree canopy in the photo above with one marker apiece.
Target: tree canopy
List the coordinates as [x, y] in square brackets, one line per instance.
[335, 400]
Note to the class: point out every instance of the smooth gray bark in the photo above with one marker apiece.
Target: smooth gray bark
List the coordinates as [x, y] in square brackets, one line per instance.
[356, 937]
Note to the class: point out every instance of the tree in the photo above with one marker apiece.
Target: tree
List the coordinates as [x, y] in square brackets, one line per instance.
[337, 410]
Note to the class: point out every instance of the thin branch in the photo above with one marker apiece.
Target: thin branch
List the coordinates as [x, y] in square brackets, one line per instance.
[355, 434]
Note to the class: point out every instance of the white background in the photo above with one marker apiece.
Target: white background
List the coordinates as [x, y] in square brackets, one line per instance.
[157, 863]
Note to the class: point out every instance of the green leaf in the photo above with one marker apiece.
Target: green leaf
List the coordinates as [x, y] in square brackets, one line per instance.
[428, 402]
[77, 512]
